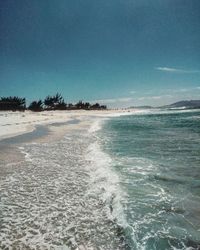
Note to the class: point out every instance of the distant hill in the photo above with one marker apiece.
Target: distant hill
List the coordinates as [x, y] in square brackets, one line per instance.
[184, 105]
[187, 104]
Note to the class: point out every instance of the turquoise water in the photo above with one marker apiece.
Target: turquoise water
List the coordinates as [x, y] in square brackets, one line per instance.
[123, 183]
[157, 159]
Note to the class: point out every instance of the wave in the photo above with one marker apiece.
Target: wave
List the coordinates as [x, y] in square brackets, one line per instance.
[104, 181]
[96, 125]
[64, 195]
[105, 185]
[75, 194]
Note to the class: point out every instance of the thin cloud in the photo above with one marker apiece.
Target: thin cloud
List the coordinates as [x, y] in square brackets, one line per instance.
[143, 98]
[133, 92]
[115, 100]
[125, 99]
[175, 70]
[183, 90]
[154, 97]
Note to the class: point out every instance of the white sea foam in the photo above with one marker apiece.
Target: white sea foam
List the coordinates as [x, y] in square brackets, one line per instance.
[96, 125]
[104, 181]
[26, 154]
[55, 199]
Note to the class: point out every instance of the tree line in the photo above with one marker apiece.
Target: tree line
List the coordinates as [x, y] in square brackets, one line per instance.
[54, 102]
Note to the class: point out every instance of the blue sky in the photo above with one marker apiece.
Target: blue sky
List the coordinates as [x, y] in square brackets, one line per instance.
[122, 52]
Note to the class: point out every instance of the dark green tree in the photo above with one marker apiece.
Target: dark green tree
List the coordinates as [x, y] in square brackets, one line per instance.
[36, 106]
[79, 105]
[12, 103]
[103, 107]
[61, 105]
[87, 105]
[55, 102]
[95, 106]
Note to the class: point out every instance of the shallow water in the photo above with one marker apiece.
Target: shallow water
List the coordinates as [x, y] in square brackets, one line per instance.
[26, 137]
[56, 199]
[130, 182]
[157, 158]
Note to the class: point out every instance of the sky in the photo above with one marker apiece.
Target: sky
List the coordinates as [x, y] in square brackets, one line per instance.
[118, 52]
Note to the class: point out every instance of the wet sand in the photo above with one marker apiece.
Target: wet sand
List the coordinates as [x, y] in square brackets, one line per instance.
[16, 123]
[46, 200]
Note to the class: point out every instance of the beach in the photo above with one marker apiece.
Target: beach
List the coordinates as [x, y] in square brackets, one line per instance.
[100, 125]
[49, 197]
[84, 180]
[16, 123]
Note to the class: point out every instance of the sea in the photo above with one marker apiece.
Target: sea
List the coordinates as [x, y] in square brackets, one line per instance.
[127, 182]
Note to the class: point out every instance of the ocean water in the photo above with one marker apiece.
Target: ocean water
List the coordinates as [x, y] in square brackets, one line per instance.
[157, 159]
[128, 182]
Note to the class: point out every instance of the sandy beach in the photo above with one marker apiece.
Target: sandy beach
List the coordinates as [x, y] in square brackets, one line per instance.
[85, 180]
[50, 163]
[16, 123]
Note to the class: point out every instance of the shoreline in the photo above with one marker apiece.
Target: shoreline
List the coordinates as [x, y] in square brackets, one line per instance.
[65, 183]
[17, 123]
[52, 177]
[19, 128]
